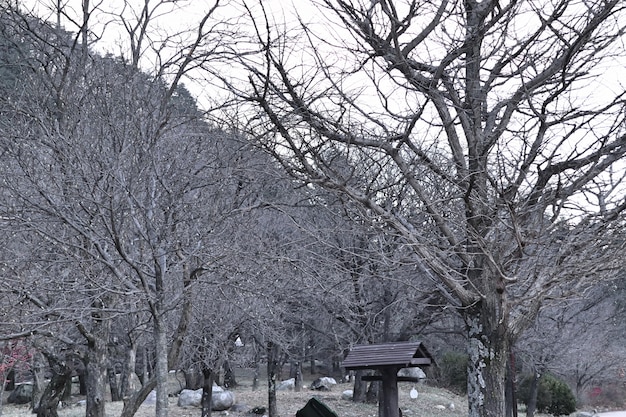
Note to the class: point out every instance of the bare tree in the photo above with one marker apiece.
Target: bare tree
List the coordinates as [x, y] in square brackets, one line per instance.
[485, 133]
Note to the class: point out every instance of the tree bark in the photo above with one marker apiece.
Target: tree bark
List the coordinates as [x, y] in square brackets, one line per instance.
[272, 372]
[161, 371]
[487, 349]
[51, 396]
[359, 391]
[532, 399]
[127, 370]
[230, 380]
[132, 403]
[207, 391]
[113, 384]
[95, 377]
[373, 392]
[38, 380]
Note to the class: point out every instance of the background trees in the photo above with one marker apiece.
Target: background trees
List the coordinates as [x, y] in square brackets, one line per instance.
[475, 140]
[465, 166]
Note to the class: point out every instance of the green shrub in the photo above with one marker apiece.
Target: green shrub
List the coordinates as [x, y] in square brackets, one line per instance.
[563, 400]
[553, 395]
[453, 370]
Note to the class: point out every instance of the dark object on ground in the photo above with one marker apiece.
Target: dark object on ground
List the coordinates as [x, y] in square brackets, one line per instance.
[258, 410]
[315, 408]
[22, 394]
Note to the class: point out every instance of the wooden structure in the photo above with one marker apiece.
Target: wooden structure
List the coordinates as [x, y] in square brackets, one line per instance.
[387, 359]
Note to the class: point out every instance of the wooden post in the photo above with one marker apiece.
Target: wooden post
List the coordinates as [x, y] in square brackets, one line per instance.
[390, 392]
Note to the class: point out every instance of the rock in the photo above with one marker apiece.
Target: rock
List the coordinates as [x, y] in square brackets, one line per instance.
[287, 385]
[413, 394]
[190, 398]
[414, 372]
[347, 395]
[451, 407]
[22, 394]
[221, 400]
[150, 399]
[239, 408]
[440, 407]
[323, 384]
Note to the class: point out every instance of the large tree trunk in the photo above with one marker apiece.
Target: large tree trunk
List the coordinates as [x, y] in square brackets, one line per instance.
[95, 371]
[487, 350]
[51, 396]
[132, 403]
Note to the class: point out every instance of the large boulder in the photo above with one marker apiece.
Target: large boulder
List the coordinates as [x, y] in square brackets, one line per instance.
[221, 400]
[190, 398]
[287, 385]
[414, 372]
[324, 383]
[22, 394]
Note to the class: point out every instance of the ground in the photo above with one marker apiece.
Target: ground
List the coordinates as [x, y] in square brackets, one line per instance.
[430, 402]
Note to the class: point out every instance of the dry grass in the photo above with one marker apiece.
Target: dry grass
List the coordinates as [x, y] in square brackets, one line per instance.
[431, 402]
[428, 404]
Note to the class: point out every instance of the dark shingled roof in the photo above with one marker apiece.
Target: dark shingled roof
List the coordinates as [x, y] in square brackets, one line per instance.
[401, 354]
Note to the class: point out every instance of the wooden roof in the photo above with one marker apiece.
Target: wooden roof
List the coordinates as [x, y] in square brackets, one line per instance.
[399, 354]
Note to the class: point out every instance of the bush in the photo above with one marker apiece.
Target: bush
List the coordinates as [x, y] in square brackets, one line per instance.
[563, 400]
[553, 395]
[453, 370]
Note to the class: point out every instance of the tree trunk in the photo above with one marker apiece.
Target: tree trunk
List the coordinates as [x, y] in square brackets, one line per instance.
[511, 388]
[132, 403]
[10, 386]
[230, 380]
[95, 377]
[373, 391]
[161, 371]
[113, 384]
[82, 383]
[51, 396]
[127, 370]
[298, 382]
[532, 398]
[207, 391]
[313, 367]
[193, 379]
[67, 390]
[359, 391]
[38, 380]
[272, 372]
[487, 349]
[255, 376]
